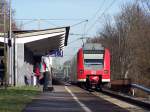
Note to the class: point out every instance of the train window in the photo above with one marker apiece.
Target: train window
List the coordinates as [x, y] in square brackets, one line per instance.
[93, 61]
[93, 51]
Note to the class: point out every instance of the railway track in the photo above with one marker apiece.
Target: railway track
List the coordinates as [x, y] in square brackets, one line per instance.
[129, 99]
[138, 104]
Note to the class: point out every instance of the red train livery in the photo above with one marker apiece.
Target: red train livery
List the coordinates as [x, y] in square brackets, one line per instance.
[91, 66]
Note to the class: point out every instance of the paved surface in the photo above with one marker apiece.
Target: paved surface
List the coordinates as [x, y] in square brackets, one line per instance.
[71, 99]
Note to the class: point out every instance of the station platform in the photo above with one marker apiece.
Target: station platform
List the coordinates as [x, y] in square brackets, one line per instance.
[71, 99]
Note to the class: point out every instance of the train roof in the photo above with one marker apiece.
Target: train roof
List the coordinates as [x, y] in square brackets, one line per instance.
[93, 46]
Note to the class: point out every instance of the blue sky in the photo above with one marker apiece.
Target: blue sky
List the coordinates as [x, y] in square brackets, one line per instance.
[64, 9]
[67, 9]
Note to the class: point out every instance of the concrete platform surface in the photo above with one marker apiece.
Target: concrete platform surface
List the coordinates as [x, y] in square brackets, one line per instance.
[70, 99]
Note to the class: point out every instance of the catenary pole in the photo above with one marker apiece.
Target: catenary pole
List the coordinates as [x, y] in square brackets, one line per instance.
[10, 44]
[5, 53]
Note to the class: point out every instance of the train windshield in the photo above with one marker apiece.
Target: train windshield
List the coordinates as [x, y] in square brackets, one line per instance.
[93, 64]
[93, 61]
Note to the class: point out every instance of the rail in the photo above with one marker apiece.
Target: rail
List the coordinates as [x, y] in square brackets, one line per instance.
[130, 99]
[141, 88]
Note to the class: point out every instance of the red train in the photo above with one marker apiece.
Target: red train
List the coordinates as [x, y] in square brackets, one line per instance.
[91, 66]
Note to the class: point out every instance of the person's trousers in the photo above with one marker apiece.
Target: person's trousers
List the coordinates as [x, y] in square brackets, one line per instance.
[47, 81]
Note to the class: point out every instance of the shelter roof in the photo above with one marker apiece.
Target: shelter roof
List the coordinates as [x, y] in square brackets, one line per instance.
[41, 41]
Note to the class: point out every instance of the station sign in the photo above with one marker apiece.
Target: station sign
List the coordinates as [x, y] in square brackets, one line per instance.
[56, 53]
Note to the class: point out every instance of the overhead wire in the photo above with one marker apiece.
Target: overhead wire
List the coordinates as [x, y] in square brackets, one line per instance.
[98, 10]
[107, 8]
[92, 17]
[54, 19]
[35, 20]
[77, 34]
[84, 33]
[48, 21]
[25, 23]
[79, 23]
[74, 41]
[85, 25]
[51, 23]
[86, 21]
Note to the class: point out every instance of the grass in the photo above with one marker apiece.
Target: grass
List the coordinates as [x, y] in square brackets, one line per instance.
[14, 99]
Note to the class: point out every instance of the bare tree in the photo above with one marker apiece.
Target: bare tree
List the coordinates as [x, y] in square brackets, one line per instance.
[129, 42]
[4, 9]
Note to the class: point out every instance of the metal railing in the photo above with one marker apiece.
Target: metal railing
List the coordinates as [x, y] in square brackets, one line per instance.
[141, 88]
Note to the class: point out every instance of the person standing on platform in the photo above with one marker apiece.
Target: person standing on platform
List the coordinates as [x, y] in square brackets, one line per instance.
[37, 73]
[46, 60]
[1, 72]
[42, 71]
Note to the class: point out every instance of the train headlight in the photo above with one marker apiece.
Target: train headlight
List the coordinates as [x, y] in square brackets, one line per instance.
[105, 71]
[81, 71]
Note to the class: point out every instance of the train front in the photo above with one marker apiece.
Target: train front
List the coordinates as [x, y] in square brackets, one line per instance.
[96, 64]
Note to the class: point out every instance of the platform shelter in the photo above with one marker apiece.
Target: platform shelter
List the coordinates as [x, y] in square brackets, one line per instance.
[27, 46]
